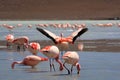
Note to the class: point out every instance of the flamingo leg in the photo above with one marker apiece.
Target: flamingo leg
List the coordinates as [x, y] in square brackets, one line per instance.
[53, 64]
[18, 47]
[60, 63]
[32, 67]
[62, 53]
[50, 65]
[23, 47]
[78, 68]
[66, 68]
[9, 45]
[71, 68]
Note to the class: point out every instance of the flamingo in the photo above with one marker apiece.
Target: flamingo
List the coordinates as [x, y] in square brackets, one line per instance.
[52, 52]
[60, 39]
[23, 41]
[19, 25]
[29, 26]
[9, 27]
[30, 60]
[72, 58]
[34, 47]
[9, 38]
[80, 46]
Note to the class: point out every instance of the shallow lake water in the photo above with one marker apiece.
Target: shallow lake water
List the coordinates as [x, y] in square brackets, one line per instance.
[96, 64]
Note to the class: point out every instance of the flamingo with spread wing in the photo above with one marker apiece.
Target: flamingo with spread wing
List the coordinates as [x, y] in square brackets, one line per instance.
[60, 39]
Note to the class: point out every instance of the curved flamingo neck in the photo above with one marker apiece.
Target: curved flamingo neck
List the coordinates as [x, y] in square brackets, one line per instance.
[16, 62]
[60, 63]
[78, 67]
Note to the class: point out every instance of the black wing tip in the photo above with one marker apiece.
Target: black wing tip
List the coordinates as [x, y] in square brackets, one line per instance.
[38, 28]
[46, 34]
[85, 29]
[80, 33]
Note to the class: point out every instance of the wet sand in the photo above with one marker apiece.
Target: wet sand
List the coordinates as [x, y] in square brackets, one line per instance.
[104, 45]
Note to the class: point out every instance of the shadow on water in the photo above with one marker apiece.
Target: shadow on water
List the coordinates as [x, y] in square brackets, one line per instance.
[31, 70]
[64, 74]
[73, 76]
[36, 71]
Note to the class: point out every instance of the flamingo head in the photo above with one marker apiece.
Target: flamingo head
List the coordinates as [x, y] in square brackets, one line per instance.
[10, 38]
[35, 46]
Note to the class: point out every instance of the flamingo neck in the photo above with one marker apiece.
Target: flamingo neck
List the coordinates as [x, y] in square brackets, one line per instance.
[78, 67]
[60, 63]
[16, 62]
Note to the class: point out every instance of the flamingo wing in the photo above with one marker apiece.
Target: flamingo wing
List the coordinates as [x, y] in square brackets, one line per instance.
[78, 33]
[48, 34]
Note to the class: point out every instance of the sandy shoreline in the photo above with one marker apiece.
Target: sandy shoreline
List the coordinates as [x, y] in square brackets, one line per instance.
[104, 45]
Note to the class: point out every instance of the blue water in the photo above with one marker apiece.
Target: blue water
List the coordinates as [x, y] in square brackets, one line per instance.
[95, 65]
[93, 32]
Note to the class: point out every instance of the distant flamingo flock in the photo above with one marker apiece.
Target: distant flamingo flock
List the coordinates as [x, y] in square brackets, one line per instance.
[52, 52]
[61, 25]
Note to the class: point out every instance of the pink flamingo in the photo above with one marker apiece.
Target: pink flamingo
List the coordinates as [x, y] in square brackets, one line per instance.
[52, 52]
[29, 26]
[72, 58]
[60, 39]
[80, 46]
[19, 25]
[34, 47]
[30, 60]
[21, 41]
[9, 38]
[9, 27]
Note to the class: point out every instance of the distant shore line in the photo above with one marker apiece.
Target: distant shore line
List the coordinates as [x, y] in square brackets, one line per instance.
[112, 18]
[100, 45]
